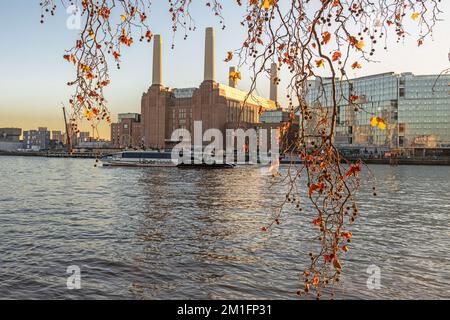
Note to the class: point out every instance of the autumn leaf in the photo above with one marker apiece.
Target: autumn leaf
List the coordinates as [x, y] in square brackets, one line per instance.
[326, 37]
[125, 40]
[415, 15]
[336, 55]
[235, 76]
[345, 248]
[320, 63]
[104, 13]
[88, 114]
[354, 170]
[353, 98]
[123, 17]
[377, 121]
[317, 221]
[374, 121]
[229, 56]
[85, 68]
[316, 186]
[356, 65]
[336, 3]
[149, 35]
[104, 83]
[347, 235]
[315, 280]
[359, 45]
[116, 55]
[266, 4]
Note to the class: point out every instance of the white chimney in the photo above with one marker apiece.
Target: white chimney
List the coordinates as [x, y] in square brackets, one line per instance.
[157, 60]
[209, 55]
[273, 82]
[231, 82]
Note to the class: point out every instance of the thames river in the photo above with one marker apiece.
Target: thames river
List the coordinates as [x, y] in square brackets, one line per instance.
[154, 233]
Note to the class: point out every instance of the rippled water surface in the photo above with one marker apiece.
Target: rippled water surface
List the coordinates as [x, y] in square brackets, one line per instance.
[174, 234]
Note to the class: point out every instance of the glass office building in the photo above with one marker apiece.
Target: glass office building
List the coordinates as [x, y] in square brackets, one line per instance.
[415, 108]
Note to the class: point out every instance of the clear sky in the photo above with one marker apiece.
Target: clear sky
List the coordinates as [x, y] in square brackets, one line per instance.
[33, 74]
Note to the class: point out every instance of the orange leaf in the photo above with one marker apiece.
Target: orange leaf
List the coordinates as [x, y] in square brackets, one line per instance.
[116, 55]
[229, 56]
[353, 171]
[316, 186]
[356, 65]
[317, 222]
[320, 63]
[326, 37]
[359, 45]
[336, 55]
[353, 98]
[346, 235]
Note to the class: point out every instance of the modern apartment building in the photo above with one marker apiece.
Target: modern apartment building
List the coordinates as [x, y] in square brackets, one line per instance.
[36, 139]
[416, 109]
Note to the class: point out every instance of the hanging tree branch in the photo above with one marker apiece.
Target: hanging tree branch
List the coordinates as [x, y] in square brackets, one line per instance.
[307, 39]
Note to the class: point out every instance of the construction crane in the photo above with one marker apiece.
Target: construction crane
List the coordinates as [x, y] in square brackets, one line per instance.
[69, 144]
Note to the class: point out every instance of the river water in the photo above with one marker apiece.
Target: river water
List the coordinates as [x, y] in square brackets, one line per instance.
[195, 234]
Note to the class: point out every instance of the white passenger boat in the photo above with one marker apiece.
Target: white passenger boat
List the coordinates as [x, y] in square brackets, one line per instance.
[140, 159]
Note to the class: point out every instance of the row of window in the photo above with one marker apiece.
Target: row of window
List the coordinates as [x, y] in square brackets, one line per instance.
[237, 113]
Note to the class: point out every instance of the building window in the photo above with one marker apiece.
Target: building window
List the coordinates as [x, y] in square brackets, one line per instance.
[182, 114]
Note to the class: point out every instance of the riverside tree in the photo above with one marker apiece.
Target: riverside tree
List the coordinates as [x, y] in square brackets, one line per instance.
[307, 39]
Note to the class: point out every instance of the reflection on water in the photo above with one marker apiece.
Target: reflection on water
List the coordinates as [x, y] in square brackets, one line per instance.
[167, 233]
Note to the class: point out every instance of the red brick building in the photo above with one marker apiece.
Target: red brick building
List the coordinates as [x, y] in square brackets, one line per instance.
[127, 133]
[216, 105]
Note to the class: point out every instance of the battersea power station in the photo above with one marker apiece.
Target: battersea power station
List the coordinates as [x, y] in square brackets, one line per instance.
[218, 106]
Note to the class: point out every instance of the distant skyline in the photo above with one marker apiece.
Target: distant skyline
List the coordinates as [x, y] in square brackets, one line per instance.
[34, 75]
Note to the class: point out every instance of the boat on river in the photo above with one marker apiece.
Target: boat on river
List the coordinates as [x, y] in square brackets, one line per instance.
[140, 159]
[157, 159]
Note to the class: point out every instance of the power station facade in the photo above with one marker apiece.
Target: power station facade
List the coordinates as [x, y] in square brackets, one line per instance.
[218, 106]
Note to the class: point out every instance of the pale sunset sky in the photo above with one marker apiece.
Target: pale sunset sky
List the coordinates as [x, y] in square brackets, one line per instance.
[33, 73]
